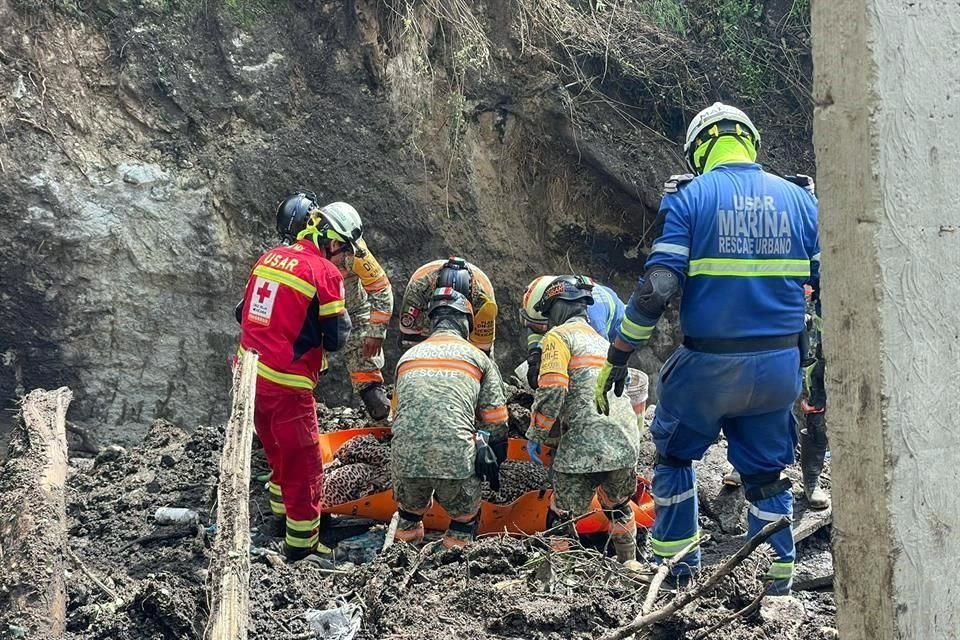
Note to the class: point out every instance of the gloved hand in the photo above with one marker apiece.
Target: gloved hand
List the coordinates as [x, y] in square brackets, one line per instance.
[612, 376]
[485, 464]
[534, 449]
[371, 346]
[499, 450]
[533, 367]
[804, 181]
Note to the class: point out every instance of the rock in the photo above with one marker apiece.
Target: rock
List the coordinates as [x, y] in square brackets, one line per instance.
[109, 454]
[724, 504]
[784, 612]
[814, 569]
[829, 633]
[168, 461]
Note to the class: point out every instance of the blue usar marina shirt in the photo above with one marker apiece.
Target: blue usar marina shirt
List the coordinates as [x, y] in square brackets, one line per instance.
[606, 312]
[743, 243]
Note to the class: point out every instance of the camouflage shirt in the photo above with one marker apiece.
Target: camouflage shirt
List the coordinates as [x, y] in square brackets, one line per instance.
[414, 323]
[368, 294]
[573, 354]
[443, 386]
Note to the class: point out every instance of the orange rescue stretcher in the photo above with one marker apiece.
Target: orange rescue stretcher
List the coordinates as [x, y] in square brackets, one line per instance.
[527, 514]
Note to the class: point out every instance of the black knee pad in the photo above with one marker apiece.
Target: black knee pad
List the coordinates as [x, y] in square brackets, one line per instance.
[619, 513]
[670, 461]
[764, 485]
[410, 517]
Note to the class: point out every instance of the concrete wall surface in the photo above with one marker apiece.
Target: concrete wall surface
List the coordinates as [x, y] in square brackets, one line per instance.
[887, 92]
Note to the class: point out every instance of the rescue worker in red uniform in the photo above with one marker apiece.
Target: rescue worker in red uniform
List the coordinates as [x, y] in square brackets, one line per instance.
[292, 313]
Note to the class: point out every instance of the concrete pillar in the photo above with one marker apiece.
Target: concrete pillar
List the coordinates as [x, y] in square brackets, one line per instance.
[887, 93]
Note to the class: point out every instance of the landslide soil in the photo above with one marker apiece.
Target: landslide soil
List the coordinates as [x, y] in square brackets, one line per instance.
[499, 588]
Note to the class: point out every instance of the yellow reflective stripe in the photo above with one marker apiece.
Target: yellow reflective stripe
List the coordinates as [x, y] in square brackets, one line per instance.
[292, 281]
[635, 331]
[301, 543]
[670, 548]
[283, 379]
[749, 268]
[277, 508]
[332, 308]
[274, 489]
[780, 570]
[534, 339]
[303, 526]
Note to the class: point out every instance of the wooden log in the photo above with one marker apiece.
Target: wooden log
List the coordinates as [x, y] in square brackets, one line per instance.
[33, 534]
[229, 581]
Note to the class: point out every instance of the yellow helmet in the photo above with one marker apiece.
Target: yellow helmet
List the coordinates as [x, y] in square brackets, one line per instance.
[531, 297]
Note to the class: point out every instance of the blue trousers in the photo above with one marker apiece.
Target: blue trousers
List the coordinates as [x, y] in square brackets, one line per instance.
[750, 398]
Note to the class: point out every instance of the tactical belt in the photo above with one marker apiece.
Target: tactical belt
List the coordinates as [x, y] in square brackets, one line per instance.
[741, 345]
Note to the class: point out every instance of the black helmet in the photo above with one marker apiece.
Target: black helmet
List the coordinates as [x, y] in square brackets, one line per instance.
[455, 275]
[569, 288]
[450, 298]
[293, 213]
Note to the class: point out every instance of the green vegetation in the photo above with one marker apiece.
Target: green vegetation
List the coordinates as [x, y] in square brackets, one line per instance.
[669, 15]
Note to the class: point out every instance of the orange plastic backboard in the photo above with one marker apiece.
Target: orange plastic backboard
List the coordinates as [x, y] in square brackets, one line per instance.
[527, 514]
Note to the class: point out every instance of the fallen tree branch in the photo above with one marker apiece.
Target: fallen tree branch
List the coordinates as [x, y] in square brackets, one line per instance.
[427, 549]
[229, 583]
[687, 597]
[391, 531]
[665, 569]
[110, 593]
[172, 534]
[33, 533]
[747, 610]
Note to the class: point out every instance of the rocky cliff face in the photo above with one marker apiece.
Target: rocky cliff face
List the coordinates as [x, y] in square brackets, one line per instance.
[143, 150]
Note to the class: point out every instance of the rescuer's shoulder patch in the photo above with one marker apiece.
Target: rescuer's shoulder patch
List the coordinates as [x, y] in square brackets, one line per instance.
[675, 182]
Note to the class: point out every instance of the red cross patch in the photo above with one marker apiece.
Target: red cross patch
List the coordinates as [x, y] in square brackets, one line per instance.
[261, 302]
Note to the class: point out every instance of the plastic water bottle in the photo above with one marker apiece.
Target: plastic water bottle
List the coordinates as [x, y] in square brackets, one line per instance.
[175, 515]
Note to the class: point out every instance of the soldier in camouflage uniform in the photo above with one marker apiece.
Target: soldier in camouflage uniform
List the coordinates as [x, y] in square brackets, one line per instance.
[369, 299]
[368, 295]
[595, 453]
[465, 278]
[443, 386]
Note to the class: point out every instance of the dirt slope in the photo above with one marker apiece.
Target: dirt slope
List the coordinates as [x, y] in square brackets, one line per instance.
[143, 148]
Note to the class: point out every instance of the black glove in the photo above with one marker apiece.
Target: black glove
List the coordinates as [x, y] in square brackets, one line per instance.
[500, 450]
[238, 311]
[485, 465]
[533, 367]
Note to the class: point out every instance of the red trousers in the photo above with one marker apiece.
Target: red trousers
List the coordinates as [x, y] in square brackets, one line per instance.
[286, 423]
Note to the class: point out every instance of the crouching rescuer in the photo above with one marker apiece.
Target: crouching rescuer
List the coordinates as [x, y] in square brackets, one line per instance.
[739, 243]
[292, 313]
[369, 296]
[444, 385]
[595, 454]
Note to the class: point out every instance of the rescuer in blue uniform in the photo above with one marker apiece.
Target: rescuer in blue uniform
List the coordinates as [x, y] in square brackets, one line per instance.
[739, 243]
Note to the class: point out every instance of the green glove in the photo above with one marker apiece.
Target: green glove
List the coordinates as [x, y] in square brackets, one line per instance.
[613, 375]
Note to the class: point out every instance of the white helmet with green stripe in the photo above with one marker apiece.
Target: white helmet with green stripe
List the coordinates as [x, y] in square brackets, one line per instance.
[730, 121]
[531, 297]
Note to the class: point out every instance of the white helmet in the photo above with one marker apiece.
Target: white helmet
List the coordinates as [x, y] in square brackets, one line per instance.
[343, 220]
[531, 298]
[714, 114]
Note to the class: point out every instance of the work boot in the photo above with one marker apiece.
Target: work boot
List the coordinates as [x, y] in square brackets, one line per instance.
[295, 554]
[817, 498]
[375, 400]
[732, 479]
[813, 450]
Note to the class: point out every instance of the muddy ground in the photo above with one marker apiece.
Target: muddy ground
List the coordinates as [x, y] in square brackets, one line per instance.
[133, 579]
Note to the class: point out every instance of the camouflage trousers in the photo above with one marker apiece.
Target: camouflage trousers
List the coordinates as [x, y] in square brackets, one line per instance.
[363, 371]
[459, 498]
[573, 492]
